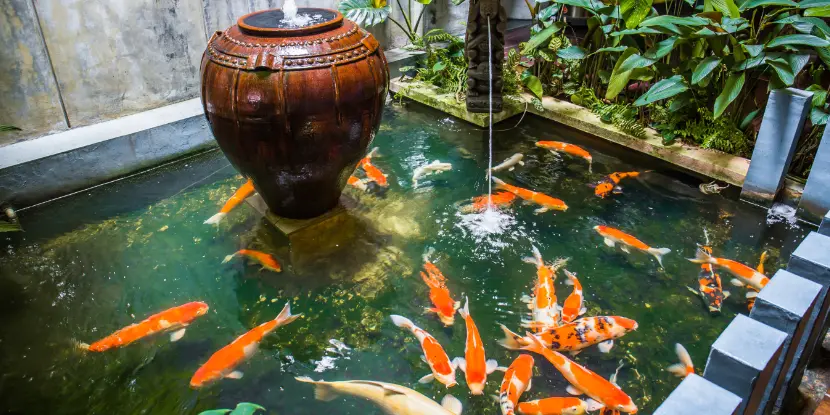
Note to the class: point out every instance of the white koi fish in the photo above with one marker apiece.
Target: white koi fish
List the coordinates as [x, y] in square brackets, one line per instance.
[510, 163]
[392, 399]
[429, 169]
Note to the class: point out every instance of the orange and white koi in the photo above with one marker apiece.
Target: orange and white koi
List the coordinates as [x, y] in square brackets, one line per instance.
[744, 274]
[434, 355]
[546, 202]
[612, 237]
[710, 287]
[570, 149]
[610, 184]
[554, 406]
[357, 183]
[573, 337]
[573, 306]
[753, 293]
[267, 261]
[474, 364]
[544, 309]
[603, 393]
[373, 173]
[238, 197]
[516, 381]
[443, 304]
[223, 363]
[173, 320]
[685, 367]
[498, 200]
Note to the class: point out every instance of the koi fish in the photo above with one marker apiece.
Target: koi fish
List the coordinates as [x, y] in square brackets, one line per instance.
[267, 261]
[509, 163]
[570, 149]
[554, 406]
[603, 393]
[610, 184]
[429, 169]
[392, 399]
[573, 337]
[753, 293]
[222, 363]
[516, 381]
[546, 202]
[474, 364]
[710, 288]
[443, 304]
[612, 237]
[173, 320]
[373, 173]
[434, 354]
[357, 183]
[544, 310]
[573, 306]
[238, 197]
[685, 367]
[497, 200]
[744, 274]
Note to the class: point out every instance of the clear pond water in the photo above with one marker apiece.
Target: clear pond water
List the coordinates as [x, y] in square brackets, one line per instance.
[97, 261]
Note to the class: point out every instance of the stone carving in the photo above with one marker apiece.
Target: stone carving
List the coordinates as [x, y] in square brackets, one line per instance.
[477, 54]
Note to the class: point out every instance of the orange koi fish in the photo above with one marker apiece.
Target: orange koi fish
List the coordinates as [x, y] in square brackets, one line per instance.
[435, 356]
[516, 381]
[443, 304]
[498, 200]
[710, 287]
[546, 202]
[238, 197]
[603, 393]
[615, 236]
[554, 406]
[222, 363]
[474, 364]
[373, 173]
[753, 293]
[744, 274]
[573, 306]
[267, 261]
[610, 184]
[685, 367]
[574, 337]
[570, 149]
[173, 320]
[357, 183]
[544, 310]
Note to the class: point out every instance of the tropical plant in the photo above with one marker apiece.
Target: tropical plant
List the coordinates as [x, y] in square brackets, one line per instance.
[371, 12]
[4, 128]
[444, 66]
[243, 408]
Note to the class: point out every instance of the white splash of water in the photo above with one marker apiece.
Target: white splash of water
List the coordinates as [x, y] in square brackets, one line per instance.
[781, 213]
[293, 19]
[491, 232]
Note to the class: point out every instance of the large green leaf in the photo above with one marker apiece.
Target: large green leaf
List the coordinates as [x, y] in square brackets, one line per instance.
[749, 63]
[549, 12]
[727, 7]
[748, 119]
[818, 117]
[619, 78]
[666, 88]
[634, 11]
[807, 40]
[734, 85]
[424, 2]
[824, 55]
[610, 49]
[639, 31]
[704, 68]
[782, 68]
[572, 53]
[665, 20]
[363, 12]
[636, 61]
[809, 4]
[819, 95]
[590, 5]
[818, 12]
[534, 85]
[751, 4]
[542, 37]
[246, 408]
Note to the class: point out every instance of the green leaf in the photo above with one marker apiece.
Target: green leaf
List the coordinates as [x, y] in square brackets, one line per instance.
[727, 7]
[458, 2]
[751, 4]
[661, 49]
[819, 95]
[424, 2]
[439, 66]
[748, 119]
[636, 61]
[733, 87]
[818, 117]
[542, 37]
[534, 85]
[782, 68]
[590, 5]
[639, 31]
[610, 49]
[754, 50]
[808, 40]
[549, 12]
[818, 12]
[216, 412]
[642, 74]
[824, 55]
[750, 63]
[809, 4]
[666, 20]
[8, 128]
[634, 11]
[704, 68]
[363, 12]
[246, 408]
[572, 53]
[10, 226]
[664, 89]
[619, 78]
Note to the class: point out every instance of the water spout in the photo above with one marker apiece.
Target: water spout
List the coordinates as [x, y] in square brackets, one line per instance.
[289, 9]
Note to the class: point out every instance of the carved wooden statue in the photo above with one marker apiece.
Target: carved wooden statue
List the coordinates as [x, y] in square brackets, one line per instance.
[478, 76]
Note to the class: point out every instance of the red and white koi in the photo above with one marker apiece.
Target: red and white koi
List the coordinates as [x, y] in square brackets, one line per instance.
[265, 260]
[238, 197]
[573, 337]
[573, 306]
[744, 274]
[434, 355]
[372, 172]
[554, 406]
[546, 202]
[685, 367]
[442, 303]
[173, 320]
[603, 393]
[474, 364]
[559, 147]
[610, 184]
[357, 183]
[544, 309]
[516, 381]
[753, 293]
[223, 363]
[612, 237]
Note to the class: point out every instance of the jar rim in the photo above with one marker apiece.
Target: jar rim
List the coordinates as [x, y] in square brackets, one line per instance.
[246, 27]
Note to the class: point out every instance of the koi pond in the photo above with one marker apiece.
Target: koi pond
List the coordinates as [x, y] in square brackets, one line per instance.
[100, 260]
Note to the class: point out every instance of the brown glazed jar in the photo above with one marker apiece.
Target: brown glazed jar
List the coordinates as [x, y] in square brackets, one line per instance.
[294, 109]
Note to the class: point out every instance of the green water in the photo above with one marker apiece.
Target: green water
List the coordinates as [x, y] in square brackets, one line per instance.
[97, 261]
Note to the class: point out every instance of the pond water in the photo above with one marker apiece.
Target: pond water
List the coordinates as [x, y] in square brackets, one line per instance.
[97, 261]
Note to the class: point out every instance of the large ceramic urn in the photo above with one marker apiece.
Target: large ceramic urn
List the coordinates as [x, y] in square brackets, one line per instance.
[294, 108]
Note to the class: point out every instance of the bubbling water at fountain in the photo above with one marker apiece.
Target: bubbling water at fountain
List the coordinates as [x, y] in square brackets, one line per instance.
[291, 18]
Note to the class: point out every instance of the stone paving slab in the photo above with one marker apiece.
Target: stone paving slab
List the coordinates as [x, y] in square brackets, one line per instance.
[697, 396]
